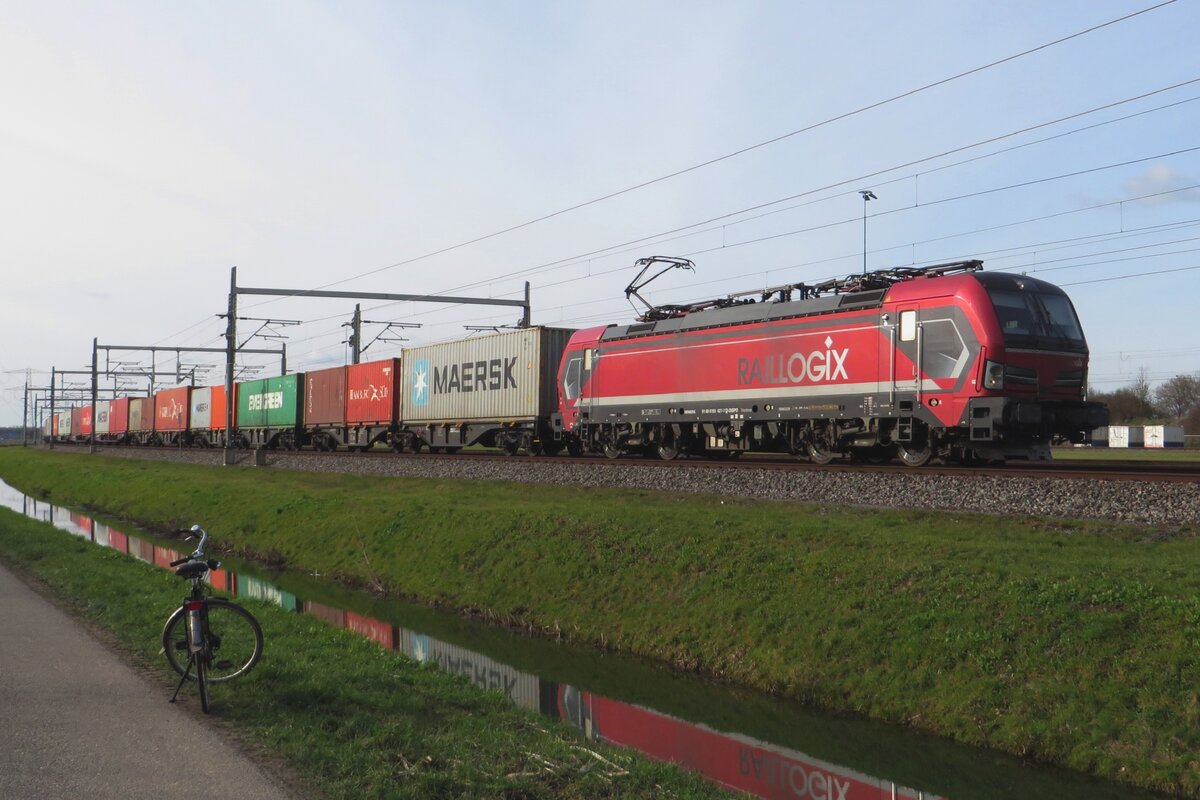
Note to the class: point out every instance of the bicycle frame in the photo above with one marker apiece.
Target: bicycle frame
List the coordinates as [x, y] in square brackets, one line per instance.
[211, 658]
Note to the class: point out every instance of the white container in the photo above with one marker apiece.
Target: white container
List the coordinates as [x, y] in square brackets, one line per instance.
[1163, 436]
[201, 416]
[520, 688]
[500, 377]
[64, 425]
[1125, 436]
[102, 410]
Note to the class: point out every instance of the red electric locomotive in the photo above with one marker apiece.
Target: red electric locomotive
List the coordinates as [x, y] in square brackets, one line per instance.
[944, 361]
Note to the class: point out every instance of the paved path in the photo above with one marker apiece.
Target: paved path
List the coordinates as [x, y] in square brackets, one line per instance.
[77, 722]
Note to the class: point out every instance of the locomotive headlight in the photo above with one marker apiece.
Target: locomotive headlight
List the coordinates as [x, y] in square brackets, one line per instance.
[993, 375]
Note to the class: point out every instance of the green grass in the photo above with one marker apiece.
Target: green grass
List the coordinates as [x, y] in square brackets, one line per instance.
[355, 720]
[1075, 643]
[1126, 454]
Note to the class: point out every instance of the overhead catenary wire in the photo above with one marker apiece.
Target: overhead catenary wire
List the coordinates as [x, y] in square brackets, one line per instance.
[565, 262]
[756, 146]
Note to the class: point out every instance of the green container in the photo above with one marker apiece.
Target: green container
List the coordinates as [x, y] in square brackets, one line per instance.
[270, 403]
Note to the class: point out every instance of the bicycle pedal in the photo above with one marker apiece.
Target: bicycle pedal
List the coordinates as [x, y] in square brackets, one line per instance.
[223, 664]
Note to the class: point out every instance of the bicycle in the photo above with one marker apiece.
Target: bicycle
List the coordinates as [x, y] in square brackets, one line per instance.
[222, 640]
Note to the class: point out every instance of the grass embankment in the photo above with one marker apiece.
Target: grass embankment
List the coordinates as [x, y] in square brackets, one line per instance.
[1072, 643]
[1152, 455]
[355, 720]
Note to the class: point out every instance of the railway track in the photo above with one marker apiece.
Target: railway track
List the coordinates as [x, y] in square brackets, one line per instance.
[1162, 495]
[1169, 471]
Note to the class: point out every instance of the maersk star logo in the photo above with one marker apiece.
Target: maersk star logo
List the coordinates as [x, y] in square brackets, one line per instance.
[420, 384]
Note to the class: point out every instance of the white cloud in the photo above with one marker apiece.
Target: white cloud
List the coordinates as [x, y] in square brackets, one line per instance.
[1161, 178]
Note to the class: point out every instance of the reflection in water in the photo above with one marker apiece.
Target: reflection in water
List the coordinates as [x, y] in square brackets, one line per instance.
[738, 761]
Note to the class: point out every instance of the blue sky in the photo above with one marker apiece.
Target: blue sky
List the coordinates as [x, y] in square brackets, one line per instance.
[146, 148]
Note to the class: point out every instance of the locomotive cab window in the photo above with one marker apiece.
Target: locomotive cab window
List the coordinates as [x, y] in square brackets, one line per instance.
[1038, 320]
[571, 378]
[908, 326]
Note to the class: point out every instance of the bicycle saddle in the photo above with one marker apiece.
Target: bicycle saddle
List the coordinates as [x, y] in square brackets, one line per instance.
[191, 569]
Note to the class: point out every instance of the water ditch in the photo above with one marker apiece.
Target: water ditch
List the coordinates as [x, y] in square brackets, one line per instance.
[744, 740]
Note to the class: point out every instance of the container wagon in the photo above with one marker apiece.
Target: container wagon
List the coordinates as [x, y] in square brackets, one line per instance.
[141, 420]
[171, 411]
[118, 420]
[497, 390]
[270, 412]
[207, 416]
[355, 406]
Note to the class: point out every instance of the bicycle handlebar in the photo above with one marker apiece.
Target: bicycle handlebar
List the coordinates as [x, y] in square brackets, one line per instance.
[198, 554]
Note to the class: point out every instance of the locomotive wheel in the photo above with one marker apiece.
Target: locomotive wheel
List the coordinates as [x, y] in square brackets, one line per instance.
[915, 454]
[574, 448]
[667, 447]
[819, 452]
[610, 450]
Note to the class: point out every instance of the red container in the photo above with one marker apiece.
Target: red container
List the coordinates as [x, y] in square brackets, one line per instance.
[219, 579]
[118, 416]
[85, 421]
[163, 557]
[325, 397]
[141, 414]
[83, 523]
[373, 392]
[145, 551]
[171, 409]
[118, 541]
[380, 632]
[76, 421]
[217, 422]
[54, 426]
[334, 616]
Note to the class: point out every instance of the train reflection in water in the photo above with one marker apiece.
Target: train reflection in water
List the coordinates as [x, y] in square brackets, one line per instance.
[728, 759]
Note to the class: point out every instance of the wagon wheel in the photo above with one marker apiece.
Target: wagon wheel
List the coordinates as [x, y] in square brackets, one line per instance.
[511, 446]
[532, 446]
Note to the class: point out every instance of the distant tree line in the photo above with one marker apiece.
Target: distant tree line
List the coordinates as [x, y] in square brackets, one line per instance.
[1174, 402]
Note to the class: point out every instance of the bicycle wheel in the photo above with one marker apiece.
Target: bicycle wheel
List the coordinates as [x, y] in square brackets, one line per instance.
[235, 640]
[202, 680]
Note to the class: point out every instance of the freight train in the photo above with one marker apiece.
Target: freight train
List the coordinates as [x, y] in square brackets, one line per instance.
[946, 362]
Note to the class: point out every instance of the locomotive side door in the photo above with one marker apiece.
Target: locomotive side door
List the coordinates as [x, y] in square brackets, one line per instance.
[906, 354]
